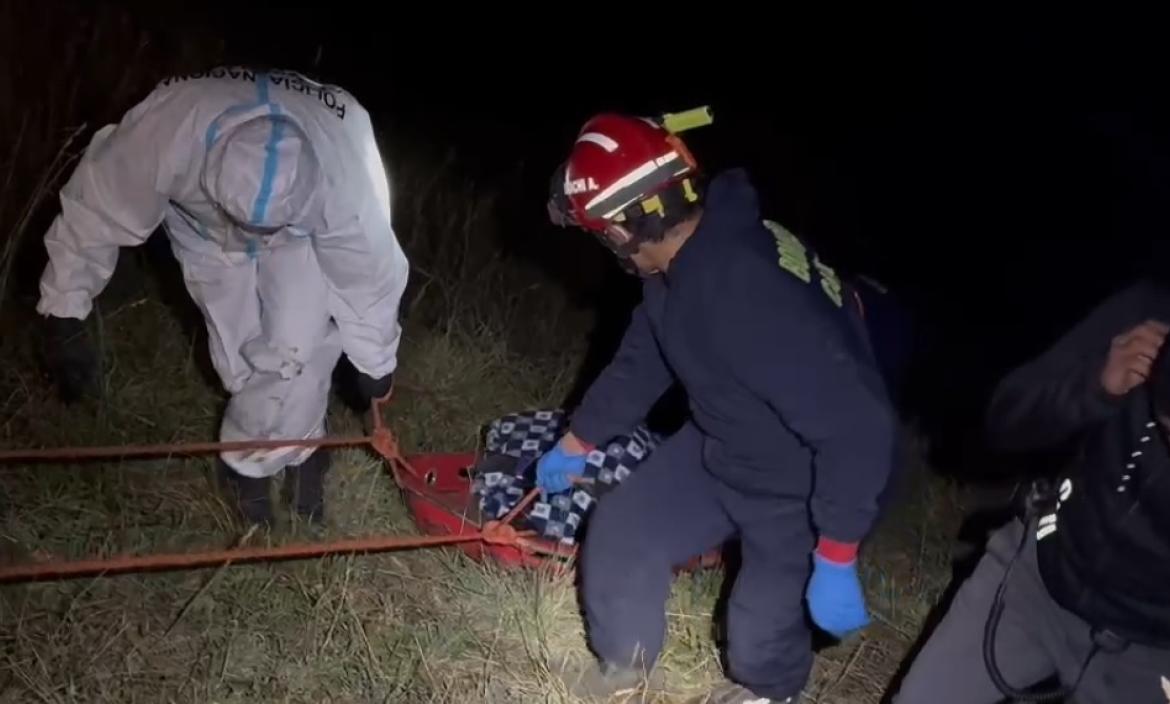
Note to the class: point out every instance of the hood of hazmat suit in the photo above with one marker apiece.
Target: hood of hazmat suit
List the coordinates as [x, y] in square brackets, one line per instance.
[262, 173]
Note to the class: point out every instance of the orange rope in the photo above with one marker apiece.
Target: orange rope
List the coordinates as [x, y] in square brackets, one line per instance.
[511, 515]
[494, 533]
[380, 439]
[177, 561]
[57, 454]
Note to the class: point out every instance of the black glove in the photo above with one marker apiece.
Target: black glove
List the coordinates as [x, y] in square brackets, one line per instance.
[370, 388]
[70, 357]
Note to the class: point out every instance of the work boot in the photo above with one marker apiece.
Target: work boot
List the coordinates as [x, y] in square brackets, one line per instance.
[727, 692]
[598, 680]
[307, 482]
[250, 494]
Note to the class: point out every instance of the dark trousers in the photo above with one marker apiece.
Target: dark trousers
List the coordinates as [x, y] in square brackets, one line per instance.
[1036, 639]
[670, 510]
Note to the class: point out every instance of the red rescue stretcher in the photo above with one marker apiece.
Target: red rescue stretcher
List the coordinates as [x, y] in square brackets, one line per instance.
[439, 497]
[436, 487]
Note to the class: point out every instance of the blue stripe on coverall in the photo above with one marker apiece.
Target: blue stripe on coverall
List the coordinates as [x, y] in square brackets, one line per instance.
[264, 194]
[271, 157]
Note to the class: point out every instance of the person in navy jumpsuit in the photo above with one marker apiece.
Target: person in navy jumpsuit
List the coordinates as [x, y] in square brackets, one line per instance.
[790, 438]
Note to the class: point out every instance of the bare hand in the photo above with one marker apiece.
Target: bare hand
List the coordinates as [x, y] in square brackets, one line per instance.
[1131, 355]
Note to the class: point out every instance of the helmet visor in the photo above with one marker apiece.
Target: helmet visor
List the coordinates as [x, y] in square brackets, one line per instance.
[560, 210]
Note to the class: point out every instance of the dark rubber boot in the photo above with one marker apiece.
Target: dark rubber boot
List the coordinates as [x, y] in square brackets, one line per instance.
[308, 486]
[251, 495]
[596, 680]
[732, 693]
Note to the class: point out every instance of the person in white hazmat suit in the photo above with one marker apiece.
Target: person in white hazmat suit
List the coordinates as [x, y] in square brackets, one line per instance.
[277, 206]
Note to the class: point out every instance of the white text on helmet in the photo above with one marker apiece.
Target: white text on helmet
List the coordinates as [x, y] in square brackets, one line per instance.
[580, 185]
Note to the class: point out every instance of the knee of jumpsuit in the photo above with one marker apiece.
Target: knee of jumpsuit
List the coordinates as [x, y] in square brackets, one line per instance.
[270, 407]
[625, 583]
[662, 515]
[769, 644]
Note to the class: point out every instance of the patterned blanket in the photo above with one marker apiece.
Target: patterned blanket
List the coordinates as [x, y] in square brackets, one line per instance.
[507, 471]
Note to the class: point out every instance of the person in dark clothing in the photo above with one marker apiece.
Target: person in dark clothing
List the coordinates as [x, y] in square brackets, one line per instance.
[791, 434]
[1087, 596]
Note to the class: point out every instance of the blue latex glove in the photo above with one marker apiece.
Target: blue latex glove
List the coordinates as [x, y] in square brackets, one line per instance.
[556, 469]
[835, 599]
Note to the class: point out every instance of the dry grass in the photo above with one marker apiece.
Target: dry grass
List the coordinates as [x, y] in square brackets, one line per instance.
[418, 627]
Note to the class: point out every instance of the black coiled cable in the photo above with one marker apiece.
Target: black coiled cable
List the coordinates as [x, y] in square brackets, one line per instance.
[997, 606]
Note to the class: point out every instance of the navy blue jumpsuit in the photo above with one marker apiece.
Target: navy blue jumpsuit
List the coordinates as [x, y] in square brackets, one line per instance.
[791, 436]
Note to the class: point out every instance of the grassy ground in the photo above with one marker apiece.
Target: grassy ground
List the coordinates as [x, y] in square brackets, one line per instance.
[418, 627]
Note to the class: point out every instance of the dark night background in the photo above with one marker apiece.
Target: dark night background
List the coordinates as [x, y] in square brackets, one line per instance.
[998, 180]
[1001, 172]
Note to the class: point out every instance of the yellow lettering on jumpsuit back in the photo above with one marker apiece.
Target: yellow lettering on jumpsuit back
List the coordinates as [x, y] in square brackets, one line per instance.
[794, 260]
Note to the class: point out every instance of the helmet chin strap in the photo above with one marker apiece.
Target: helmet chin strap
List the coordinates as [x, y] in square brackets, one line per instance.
[624, 249]
[627, 265]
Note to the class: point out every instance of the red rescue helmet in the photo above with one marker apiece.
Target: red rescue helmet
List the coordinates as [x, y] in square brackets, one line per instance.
[618, 162]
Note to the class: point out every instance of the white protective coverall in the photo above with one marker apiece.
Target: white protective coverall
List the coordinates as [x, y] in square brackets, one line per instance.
[316, 271]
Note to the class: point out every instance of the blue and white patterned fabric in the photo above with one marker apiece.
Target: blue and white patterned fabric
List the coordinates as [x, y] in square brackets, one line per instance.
[512, 445]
